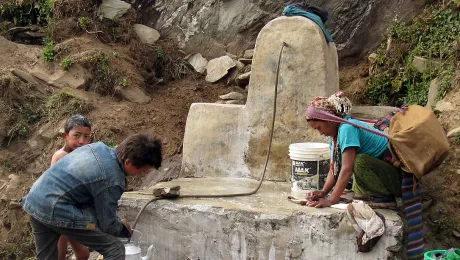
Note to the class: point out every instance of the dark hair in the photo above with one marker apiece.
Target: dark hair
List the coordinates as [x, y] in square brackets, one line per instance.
[141, 150]
[74, 121]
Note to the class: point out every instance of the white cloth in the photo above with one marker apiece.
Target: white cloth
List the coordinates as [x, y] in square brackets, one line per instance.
[364, 219]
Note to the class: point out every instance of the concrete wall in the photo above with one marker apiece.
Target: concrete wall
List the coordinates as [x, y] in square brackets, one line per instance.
[232, 141]
[203, 229]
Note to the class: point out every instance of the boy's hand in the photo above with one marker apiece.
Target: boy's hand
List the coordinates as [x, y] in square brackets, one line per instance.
[126, 223]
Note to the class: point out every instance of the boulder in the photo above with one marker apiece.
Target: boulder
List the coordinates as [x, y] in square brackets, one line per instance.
[248, 54]
[198, 62]
[24, 76]
[243, 79]
[432, 92]
[146, 34]
[425, 65]
[134, 94]
[218, 68]
[113, 9]
[234, 72]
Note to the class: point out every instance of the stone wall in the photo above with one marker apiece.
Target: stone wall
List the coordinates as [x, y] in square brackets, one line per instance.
[214, 27]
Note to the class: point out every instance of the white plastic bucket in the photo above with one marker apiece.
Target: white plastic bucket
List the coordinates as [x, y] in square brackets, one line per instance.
[310, 165]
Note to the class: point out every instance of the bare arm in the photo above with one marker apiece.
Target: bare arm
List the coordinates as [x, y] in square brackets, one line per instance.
[57, 156]
[348, 158]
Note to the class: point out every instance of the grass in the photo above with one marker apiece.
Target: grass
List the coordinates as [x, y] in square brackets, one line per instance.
[48, 51]
[66, 104]
[395, 81]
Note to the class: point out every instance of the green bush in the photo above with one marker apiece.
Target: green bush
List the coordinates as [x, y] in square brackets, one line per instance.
[65, 64]
[394, 80]
[48, 51]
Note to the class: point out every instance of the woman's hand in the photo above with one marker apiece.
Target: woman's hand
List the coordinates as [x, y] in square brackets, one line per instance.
[315, 195]
[320, 203]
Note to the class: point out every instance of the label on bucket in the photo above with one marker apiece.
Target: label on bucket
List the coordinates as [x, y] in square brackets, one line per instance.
[309, 175]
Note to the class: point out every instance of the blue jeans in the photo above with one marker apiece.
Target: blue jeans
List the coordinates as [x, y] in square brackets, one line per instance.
[46, 238]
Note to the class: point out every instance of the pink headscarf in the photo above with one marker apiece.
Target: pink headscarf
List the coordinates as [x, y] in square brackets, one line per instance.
[337, 105]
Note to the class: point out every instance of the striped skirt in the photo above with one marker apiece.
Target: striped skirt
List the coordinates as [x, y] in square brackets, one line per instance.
[413, 211]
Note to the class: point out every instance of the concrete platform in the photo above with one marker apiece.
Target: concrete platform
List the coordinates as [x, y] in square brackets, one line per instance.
[261, 226]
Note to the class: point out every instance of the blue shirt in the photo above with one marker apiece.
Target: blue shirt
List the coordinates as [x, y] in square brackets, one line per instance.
[80, 191]
[365, 142]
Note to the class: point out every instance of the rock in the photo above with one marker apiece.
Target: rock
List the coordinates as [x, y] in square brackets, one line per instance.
[234, 72]
[425, 65]
[198, 62]
[48, 131]
[134, 94]
[458, 171]
[13, 184]
[248, 54]
[432, 92]
[233, 25]
[35, 143]
[220, 102]
[218, 68]
[113, 9]
[231, 55]
[245, 61]
[444, 106]
[24, 76]
[76, 77]
[234, 102]
[453, 132]
[146, 34]
[243, 79]
[232, 96]
[13, 204]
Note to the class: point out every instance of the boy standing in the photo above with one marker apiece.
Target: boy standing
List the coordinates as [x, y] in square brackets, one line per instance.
[78, 196]
[77, 132]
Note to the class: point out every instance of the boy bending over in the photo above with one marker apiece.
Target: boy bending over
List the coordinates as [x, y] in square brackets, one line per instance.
[78, 196]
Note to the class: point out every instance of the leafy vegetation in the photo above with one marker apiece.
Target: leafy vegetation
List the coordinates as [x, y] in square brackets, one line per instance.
[83, 22]
[434, 36]
[48, 51]
[65, 63]
[23, 13]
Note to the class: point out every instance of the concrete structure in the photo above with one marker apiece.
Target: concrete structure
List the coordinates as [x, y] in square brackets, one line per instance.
[231, 140]
[261, 226]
